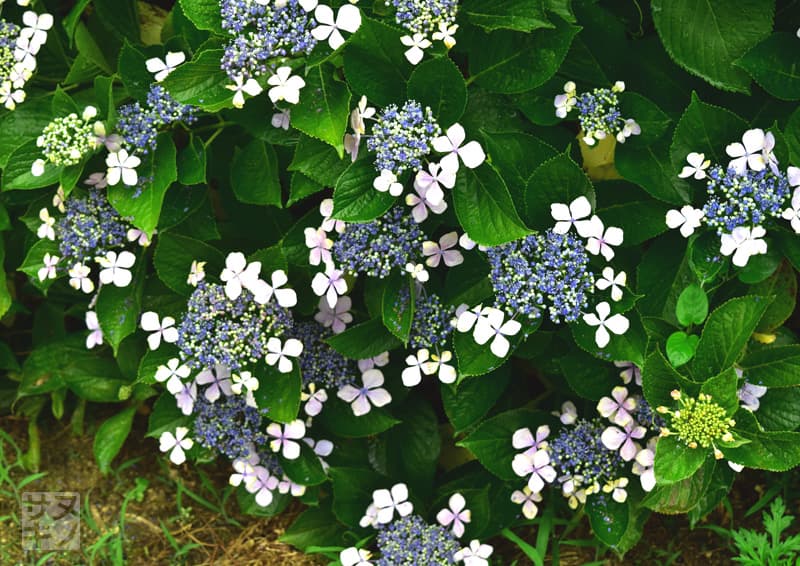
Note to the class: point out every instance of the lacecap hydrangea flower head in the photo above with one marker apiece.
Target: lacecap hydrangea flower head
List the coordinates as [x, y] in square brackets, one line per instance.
[19, 46]
[743, 196]
[598, 112]
[233, 329]
[550, 272]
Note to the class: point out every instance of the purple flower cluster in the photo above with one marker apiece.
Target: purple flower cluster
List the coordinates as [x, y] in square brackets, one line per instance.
[431, 325]
[579, 452]
[410, 541]
[90, 227]
[234, 333]
[261, 33]
[228, 425]
[321, 364]
[402, 137]
[375, 248]
[542, 271]
[139, 126]
[745, 199]
[598, 111]
[423, 16]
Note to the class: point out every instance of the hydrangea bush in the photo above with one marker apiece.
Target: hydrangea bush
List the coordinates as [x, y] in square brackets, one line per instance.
[423, 265]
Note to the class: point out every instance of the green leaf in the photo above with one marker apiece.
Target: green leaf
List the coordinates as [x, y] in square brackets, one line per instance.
[723, 389]
[145, 209]
[122, 18]
[316, 526]
[608, 518]
[192, 163]
[338, 418]
[518, 62]
[438, 83]
[364, 340]
[704, 128]
[133, 72]
[318, 161]
[778, 366]
[783, 285]
[773, 451]
[475, 359]
[706, 37]
[675, 461]
[484, 207]
[173, 259]
[650, 168]
[491, 441]
[374, 63]
[659, 378]
[473, 398]
[324, 108]
[557, 180]
[34, 261]
[726, 334]
[692, 307]
[629, 346]
[355, 199]
[5, 296]
[279, 392]
[352, 492]
[301, 187]
[775, 65]
[23, 125]
[110, 437]
[399, 300]
[67, 362]
[518, 15]
[118, 308]
[588, 377]
[516, 156]
[201, 82]
[653, 121]
[17, 172]
[414, 445]
[166, 416]
[254, 174]
[640, 220]
[304, 470]
[681, 496]
[703, 257]
[204, 14]
[681, 347]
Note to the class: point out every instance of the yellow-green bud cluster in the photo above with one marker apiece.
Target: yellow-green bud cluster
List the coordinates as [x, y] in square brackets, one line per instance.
[699, 422]
[65, 140]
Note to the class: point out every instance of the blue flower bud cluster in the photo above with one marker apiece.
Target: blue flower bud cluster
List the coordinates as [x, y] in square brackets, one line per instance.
[138, 126]
[424, 16]
[228, 425]
[233, 333]
[578, 451]
[410, 541]
[376, 247]
[321, 364]
[745, 199]
[542, 271]
[431, 324]
[598, 111]
[261, 33]
[8, 40]
[89, 227]
[646, 417]
[401, 137]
